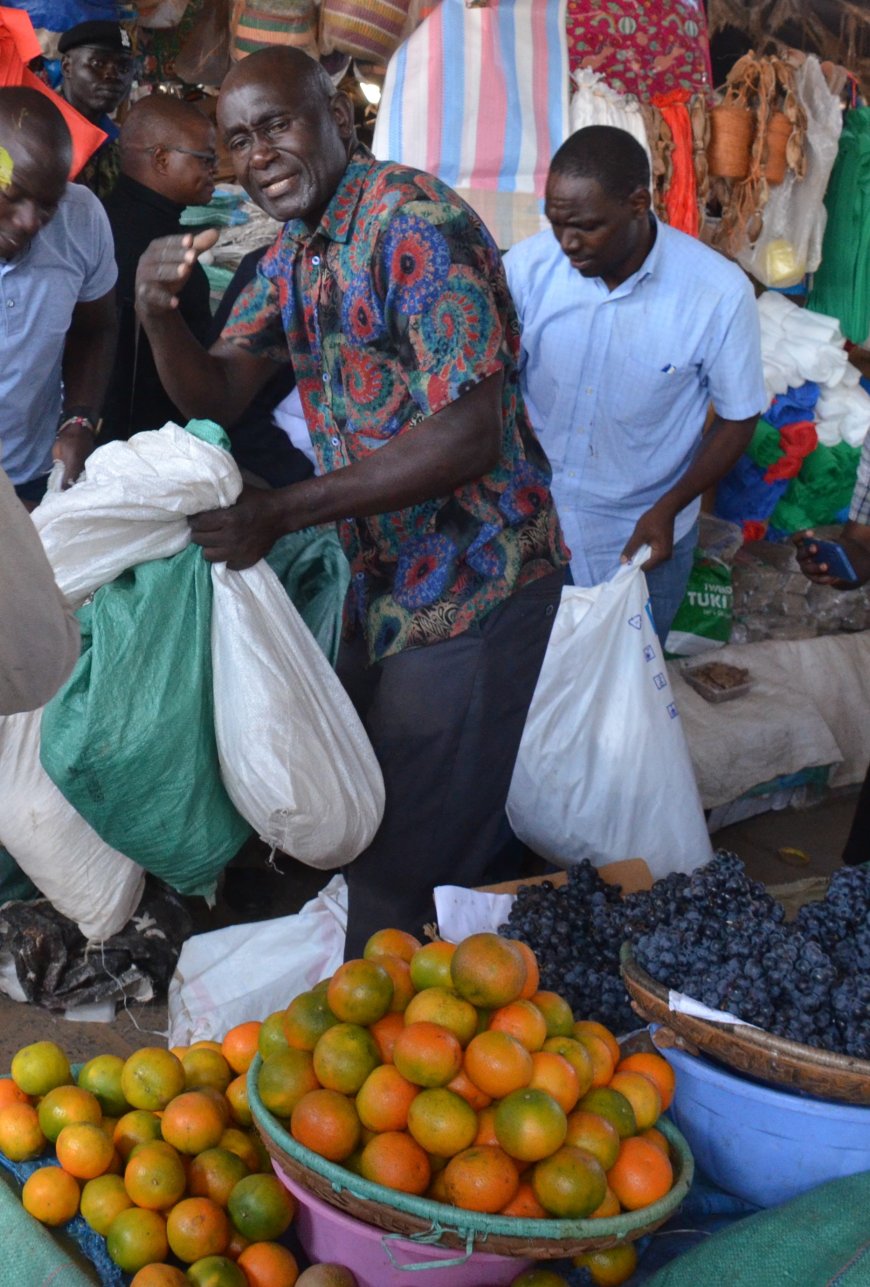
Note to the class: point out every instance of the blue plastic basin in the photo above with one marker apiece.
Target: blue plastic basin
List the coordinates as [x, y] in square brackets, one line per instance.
[762, 1144]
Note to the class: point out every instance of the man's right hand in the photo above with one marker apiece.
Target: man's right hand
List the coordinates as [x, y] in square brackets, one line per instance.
[165, 268]
[813, 570]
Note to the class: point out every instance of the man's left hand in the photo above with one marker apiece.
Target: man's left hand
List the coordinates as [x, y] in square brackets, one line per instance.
[72, 448]
[656, 529]
[242, 534]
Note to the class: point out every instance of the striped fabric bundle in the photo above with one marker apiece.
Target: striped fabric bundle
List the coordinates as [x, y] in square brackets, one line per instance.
[260, 24]
[368, 29]
[479, 97]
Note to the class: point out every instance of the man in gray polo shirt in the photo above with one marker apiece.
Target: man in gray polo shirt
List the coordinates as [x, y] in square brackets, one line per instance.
[57, 313]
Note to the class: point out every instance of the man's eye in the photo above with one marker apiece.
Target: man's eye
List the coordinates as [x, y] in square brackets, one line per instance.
[236, 145]
[274, 128]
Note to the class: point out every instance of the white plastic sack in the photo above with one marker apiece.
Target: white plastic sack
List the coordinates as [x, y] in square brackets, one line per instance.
[603, 770]
[250, 971]
[85, 879]
[295, 759]
[594, 102]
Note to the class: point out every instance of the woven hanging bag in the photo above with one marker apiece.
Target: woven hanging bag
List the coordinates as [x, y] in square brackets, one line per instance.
[367, 29]
[262, 24]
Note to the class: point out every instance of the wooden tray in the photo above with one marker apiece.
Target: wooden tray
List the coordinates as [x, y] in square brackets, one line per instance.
[789, 1064]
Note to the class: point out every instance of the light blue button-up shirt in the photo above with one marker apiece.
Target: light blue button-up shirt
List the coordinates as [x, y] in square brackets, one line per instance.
[71, 259]
[618, 383]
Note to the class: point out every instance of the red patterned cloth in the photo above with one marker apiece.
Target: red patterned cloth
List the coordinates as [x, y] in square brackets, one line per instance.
[641, 47]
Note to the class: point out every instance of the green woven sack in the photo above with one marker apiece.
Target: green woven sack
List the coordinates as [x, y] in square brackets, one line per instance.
[129, 740]
[314, 571]
[821, 1239]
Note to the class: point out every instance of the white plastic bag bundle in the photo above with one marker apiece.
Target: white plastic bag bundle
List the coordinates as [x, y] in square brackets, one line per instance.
[603, 770]
[295, 759]
[594, 102]
[84, 878]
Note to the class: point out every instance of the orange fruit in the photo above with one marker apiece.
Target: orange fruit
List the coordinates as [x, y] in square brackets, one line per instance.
[540, 1277]
[482, 1178]
[385, 1032]
[524, 1204]
[237, 1098]
[242, 1145]
[157, 1275]
[324, 1275]
[595, 1134]
[437, 1190]
[50, 1195]
[462, 1085]
[344, 1056]
[427, 1054]
[530, 1125]
[642, 1094]
[599, 1052]
[430, 965]
[488, 970]
[400, 977]
[272, 1036]
[384, 1098]
[84, 1150]
[155, 1177]
[656, 1137]
[611, 1267]
[554, 1074]
[557, 1013]
[533, 974]
[261, 1208]
[609, 1207]
[522, 1020]
[197, 1227]
[137, 1238]
[64, 1106]
[577, 1057]
[441, 1122]
[38, 1068]
[102, 1199]
[151, 1077]
[657, 1069]
[11, 1094]
[641, 1174]
[391, 942]
[206, 1067]
[360, 992]
[192, 1122]
[599, 1030]
[326, 1122]
[498, 1064]
[284, 1078]
[305, 1020]
[214, 1173]
[397, 1161]
[21, 1136]
[204, 1044]
[570, 1184]
[102, 1077]
[268, 1264]
[486, 1127]
[236, 1244]
[136, 1127]
[444, 1007]
[219, 1099]
[240, 1045]
[216, 1271]
[613, 1106]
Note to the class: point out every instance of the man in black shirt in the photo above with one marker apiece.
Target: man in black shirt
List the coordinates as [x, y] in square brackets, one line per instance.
[168, 161]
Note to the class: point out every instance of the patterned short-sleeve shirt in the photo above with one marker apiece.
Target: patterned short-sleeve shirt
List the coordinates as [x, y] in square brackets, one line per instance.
[391, 309]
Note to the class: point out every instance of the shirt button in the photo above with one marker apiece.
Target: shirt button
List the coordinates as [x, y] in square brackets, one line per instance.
[325, 377]
[10, 303]
[589, 390]
[336, 442]
[315, 259]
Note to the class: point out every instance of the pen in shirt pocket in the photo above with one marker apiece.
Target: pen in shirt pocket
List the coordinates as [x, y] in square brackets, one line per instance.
[669, 369]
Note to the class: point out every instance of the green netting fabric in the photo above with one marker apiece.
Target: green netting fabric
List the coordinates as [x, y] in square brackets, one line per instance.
[821, 1239]
[841, 286]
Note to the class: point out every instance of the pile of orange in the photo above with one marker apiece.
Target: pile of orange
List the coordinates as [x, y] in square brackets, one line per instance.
[442, 1070]
[158, 1155]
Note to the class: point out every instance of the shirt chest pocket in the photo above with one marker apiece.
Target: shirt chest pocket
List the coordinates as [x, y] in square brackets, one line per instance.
[652, 388]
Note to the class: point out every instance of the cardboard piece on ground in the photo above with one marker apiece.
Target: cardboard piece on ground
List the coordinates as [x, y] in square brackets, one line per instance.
[631, 873]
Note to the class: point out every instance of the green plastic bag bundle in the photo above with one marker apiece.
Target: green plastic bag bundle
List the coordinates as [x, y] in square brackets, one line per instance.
[841, 286]
[130, 741]
[314, 571]
[817, 1240]
[821, 491]
[704, 617]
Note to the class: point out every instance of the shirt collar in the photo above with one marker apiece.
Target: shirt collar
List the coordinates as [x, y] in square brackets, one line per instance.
[337, 219]
[649, 266]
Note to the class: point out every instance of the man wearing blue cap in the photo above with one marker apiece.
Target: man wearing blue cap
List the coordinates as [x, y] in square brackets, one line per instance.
[97, 65]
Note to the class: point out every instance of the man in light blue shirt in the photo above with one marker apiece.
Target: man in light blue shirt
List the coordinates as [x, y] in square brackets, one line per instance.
[630, 330]
[57, 314]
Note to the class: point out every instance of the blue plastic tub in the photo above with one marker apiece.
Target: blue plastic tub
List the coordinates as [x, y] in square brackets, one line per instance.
[762, 1144]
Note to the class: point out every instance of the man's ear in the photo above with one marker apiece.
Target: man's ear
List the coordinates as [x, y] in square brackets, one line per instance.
[64, 64]
[640, 201]
[159, 159]
[342, 112]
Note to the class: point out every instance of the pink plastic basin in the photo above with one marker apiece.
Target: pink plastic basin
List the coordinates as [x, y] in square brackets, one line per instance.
[328, 1235]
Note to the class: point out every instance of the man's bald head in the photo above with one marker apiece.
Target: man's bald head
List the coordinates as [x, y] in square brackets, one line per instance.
[35, 156]
[29, 120]
[169, 146]
[281, 65]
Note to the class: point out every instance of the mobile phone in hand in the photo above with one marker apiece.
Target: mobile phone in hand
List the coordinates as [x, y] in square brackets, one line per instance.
[835, 559]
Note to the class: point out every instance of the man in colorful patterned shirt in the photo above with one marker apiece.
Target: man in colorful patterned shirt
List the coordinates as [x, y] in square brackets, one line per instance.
[389, 295]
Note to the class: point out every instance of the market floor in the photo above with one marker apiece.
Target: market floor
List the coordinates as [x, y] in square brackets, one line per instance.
[818, 832]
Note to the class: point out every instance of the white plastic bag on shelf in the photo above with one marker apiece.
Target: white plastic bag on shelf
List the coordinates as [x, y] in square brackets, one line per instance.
[790, 244]
[593, 102]
[78, 873]
[295, 759]
[249, 971]
[603, 770]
